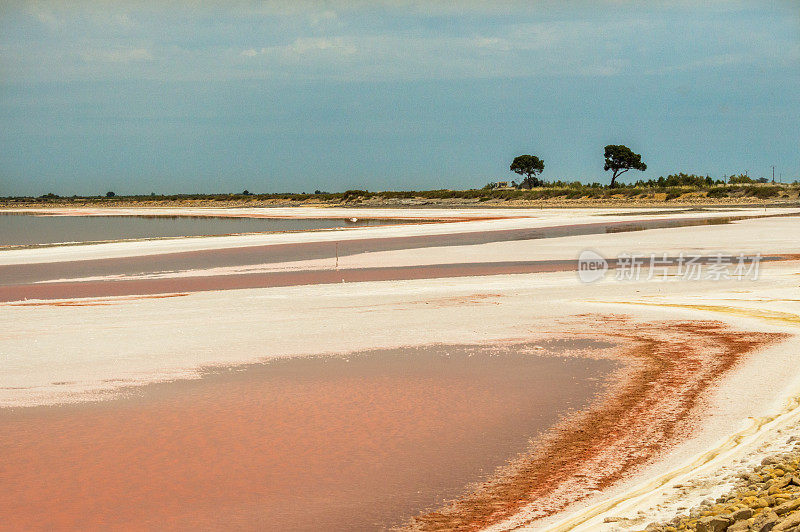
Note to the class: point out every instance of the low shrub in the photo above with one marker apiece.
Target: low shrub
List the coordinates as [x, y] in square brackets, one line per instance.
[718, 192]
[762, 192]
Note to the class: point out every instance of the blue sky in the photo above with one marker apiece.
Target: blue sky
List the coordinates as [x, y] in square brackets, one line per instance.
[203, 96]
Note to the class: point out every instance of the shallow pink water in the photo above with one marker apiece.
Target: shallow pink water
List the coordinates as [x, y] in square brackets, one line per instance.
[353, 443]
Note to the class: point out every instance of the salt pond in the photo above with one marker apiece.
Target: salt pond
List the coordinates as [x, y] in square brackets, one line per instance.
[27, 229]
[363, 441]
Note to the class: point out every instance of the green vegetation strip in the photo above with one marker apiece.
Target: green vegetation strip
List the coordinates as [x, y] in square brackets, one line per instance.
[663, 189]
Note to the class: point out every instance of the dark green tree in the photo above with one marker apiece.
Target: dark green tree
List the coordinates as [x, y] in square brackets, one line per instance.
[620, 159]
[529, 166]
[740, 179]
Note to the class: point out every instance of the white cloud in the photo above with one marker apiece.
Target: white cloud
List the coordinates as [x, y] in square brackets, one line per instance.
[493, 43]
[385, 40]
[44, 15]
[122, 21]
[323, 17]
[713, 61]
[305, 46]
[117, 55]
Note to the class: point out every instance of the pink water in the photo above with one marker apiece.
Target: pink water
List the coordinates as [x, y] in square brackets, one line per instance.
[356, 443]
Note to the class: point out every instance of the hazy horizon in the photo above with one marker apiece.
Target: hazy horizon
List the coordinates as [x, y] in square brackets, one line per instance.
[277, 97]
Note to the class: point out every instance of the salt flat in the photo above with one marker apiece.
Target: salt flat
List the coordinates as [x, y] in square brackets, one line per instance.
[76, 350]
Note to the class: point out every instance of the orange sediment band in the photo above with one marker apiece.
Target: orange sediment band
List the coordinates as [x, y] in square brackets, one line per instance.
[650, 407]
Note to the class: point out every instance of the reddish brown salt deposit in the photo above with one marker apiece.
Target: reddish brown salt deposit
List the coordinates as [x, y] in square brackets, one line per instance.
[652, 405]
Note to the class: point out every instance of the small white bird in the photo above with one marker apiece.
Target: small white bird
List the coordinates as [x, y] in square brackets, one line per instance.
[354, 220]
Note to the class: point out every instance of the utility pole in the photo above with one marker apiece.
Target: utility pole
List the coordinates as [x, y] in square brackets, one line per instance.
[773, 174]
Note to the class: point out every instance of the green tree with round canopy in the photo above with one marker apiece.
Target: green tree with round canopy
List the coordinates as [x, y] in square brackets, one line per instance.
[529, 166]
[620, 159]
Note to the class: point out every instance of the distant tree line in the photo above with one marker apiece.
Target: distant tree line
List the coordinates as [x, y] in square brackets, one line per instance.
[673, 180]
[732, 188]
[618, 159]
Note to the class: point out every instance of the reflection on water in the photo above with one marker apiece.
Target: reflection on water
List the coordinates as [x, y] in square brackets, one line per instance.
[24, 229]
[662, 224]
[361, 442]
